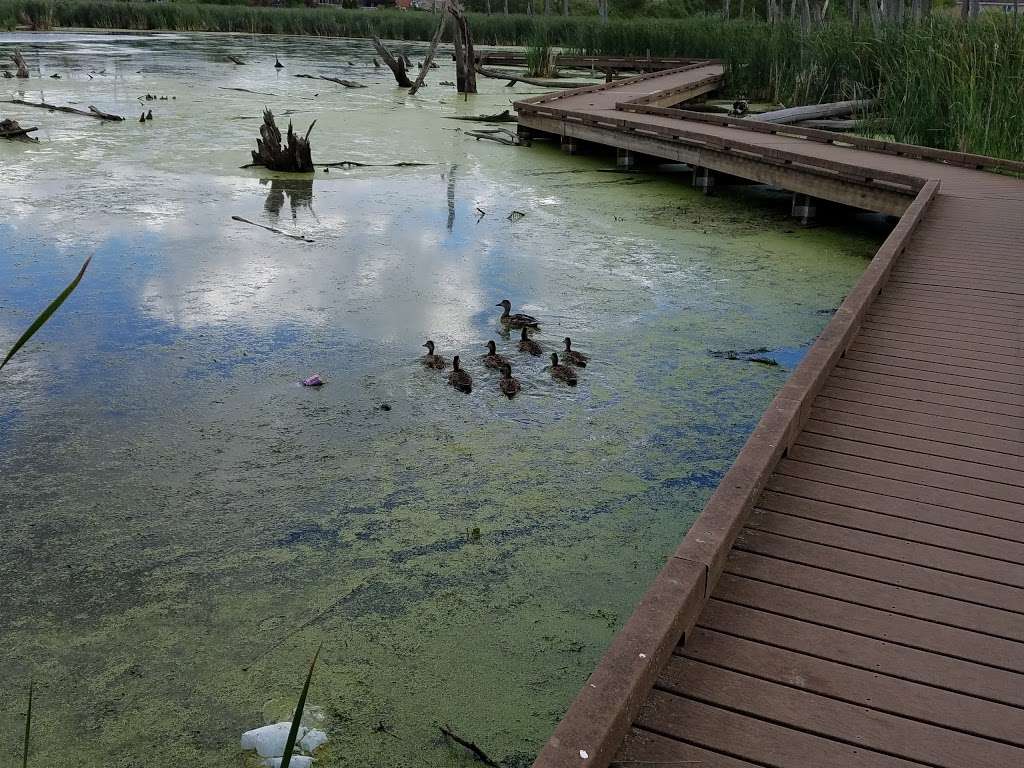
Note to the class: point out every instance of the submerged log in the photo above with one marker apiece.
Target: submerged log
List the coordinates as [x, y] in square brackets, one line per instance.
[9, 129]
[346, 83]
[19, 62]
[841, 124]
[513, 79]
[815, 111]
[93, 112]
[235, 59]
[500, 117]
[396, 65]
[295, 155]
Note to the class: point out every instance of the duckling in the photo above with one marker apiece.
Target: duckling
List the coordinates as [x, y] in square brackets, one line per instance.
[459, 379]
[562, 372]
[572, 357]
[430, 360]
[509, 386]
[492, 359]
[526, 344]
[517, 320]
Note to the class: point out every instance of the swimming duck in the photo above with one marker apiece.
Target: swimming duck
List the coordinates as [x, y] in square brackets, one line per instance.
[459, 379]
[492, 359]
[430, 360]
[572, 357]
[518, 320]
[277, 63]
[526, 344]
[561, 372]
[509, 386]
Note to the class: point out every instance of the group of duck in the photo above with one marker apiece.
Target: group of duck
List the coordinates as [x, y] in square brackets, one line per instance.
[561, 370]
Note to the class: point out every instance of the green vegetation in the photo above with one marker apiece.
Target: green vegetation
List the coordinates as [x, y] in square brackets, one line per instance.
[941, 82]
[39, 322]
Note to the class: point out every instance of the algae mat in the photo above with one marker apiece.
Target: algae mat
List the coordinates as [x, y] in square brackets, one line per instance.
[184, 523]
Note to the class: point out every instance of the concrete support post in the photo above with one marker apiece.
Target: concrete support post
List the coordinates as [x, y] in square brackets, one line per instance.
[570, 145]
[805, 209]
[704, 179]
[625, 159]
[525, 135]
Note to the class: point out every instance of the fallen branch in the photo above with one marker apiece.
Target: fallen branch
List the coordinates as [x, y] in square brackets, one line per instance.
[397, 66]
[815, 111]
[513, 79]
[509, 138]
[275, 230]
[500, 117]
[346, 83]
[425, 67]
[833, 124]
[9, 129]
[93, 112]
[235, 60]
[477, 752]
[245, 90]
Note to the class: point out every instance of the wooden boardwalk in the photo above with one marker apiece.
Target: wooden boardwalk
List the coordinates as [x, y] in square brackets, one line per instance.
[853, 592]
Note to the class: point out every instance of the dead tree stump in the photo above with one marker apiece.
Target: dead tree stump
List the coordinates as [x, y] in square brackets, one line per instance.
[295, 155]
[465, 58]
[19, 60]
[395, 64]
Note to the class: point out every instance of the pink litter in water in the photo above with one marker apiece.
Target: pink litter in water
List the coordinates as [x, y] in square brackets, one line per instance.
[313, 381]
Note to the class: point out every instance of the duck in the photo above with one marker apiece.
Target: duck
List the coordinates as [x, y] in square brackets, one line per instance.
[572, 357]
[561, 372]
[430, 360]
[277, 63]
[492, 359]
[518, 320]
[507, 383]
[459, 379]
[528, 345]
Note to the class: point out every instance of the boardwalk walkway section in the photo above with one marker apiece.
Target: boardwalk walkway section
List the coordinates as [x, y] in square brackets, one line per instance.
[853, 592]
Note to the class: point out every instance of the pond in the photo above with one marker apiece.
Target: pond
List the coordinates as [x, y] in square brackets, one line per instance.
[184, 523]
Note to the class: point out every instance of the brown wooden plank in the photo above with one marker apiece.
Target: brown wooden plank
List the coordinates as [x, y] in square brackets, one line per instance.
[957, 491]
[966, 323]
[844, 370]
[971, 316]
[938, 639]
[895, 598]
[835, 388]
[859, 726]
[910, 458]
[817, 490]
[641, 749]
[879, 545]
[956, 539]
[1005, 389]
[753, 739]
[821, 424]
[958, 345]
[947, 359]
[887, 358]
[856, 650]
[1005, 435]
[920, 395]
[973, 287]
[986, 301]
[961, 355]
[857, 686]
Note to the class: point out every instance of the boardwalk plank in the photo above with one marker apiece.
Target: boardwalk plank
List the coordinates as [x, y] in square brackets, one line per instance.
[844, 370]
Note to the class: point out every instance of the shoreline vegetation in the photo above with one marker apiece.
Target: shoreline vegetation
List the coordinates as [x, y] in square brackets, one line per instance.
[940, 82]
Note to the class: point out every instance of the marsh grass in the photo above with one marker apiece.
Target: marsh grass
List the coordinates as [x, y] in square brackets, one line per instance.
[942, 83]
[28, 726]
[40, 321]
[293, 732]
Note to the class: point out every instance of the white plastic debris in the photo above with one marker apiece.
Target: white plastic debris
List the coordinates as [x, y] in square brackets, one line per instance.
[312, 740]
[269, 740]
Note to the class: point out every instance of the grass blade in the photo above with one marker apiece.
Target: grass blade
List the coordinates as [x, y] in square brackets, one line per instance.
[289, 745]
[28, 725]
[46, 314]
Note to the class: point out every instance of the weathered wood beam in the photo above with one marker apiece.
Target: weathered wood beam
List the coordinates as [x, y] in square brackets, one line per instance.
[93, 112]
[396, 65]
[815, 111]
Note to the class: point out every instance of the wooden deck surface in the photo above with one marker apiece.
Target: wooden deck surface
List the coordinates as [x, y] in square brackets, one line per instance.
[853, 594]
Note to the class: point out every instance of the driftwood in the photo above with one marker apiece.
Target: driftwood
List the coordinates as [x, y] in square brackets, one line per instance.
[275, 230]
[9, 129]
[396, 65]
[501, 135]
[245, 90]
[296, 155]
[500, 117]
[852, 124]
[356, 164]
[19, 62]
[93, 112]
[235, 60]
[513, 79]
[815, 111]
[429, 60]
[478, 753]
[346, 83]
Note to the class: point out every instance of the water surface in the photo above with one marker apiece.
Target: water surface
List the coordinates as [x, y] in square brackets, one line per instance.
[184, 524]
